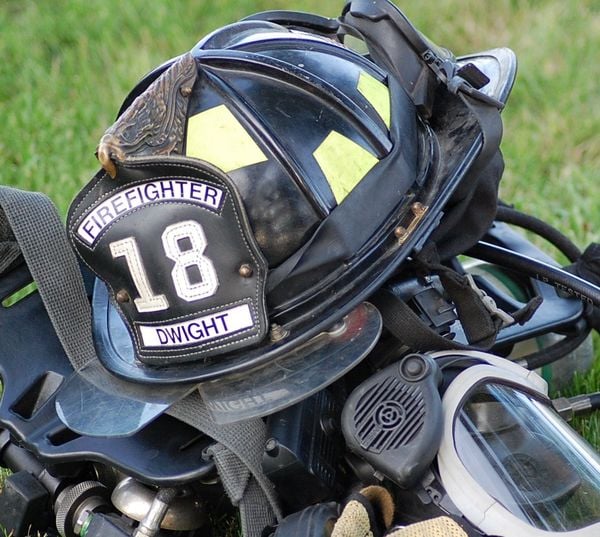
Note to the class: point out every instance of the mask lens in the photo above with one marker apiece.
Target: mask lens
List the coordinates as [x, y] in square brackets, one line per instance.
[528, 459]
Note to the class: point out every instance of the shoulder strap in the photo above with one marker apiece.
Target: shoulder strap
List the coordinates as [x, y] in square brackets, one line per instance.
[33, 221]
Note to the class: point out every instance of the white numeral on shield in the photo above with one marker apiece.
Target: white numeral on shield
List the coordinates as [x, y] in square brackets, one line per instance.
[147, 301]
[173, 237]
[184, 243]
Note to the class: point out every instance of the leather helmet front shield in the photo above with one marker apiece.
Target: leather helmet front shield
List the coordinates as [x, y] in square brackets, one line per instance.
[171, 240]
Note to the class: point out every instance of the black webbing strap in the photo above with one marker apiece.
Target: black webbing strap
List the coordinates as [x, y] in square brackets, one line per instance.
[480, 326]
[30, 225]
[407, 327]
[238, 456]
[481, 320]
[10, 252]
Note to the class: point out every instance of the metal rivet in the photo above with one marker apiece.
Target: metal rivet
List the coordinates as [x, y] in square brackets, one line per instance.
[338, 328]
[400, 232]
[328, 425]
[277, 333]
[246, 271]
[418, 208]
[122, 296]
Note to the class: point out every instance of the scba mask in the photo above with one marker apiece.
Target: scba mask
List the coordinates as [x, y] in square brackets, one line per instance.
[254, 193]
[491, 449]
[509, 462]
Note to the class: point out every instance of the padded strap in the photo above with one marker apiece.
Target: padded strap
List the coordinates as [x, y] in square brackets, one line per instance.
[30, 224]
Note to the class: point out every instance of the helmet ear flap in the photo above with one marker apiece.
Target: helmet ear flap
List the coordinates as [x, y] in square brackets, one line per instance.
[471, 209]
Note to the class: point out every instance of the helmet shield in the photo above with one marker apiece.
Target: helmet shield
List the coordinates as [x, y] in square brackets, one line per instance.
[95, 402]
[286, 380]
[173, 244]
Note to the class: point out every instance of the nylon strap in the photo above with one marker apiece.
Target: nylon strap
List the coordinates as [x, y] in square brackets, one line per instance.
[9, 249]
[239, 465]
[480, 327]
[41, 237]
[480, 322]
[406, 326]
[31, 225]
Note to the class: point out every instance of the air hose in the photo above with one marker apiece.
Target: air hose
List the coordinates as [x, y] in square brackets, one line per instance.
[554, 352]
[569, 407]
[560, 279]
[512, 216]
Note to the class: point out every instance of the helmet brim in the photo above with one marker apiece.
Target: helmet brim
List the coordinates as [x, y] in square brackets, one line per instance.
[96, 402]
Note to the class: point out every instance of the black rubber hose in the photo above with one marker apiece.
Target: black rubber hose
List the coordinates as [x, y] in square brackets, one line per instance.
[512, 216]
[19, 459]
[560, 279]
[594, 400]
[554, 352]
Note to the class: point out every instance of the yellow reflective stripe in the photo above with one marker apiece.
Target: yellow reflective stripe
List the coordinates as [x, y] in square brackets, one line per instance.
[343, 162]
[378, 94]
[216, 136]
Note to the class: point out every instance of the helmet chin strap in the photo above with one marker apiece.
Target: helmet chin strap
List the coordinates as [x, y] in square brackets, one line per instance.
[30, 222]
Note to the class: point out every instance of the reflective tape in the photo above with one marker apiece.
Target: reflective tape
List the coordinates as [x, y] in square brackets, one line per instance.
[344, 163]
[217, 137]
[378, 94]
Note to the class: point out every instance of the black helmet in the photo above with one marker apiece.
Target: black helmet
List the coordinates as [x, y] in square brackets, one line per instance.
[255, 192]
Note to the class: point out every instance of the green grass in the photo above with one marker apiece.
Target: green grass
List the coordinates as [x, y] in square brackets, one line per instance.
[67, 64]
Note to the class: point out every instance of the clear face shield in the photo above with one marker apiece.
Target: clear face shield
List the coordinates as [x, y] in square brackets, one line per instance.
[510, 463]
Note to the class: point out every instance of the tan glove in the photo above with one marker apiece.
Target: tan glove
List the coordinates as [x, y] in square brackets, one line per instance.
[442, 526]
[370, 513]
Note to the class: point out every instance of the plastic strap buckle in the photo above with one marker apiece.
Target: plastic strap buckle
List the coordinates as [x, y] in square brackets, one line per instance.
[490, 303]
